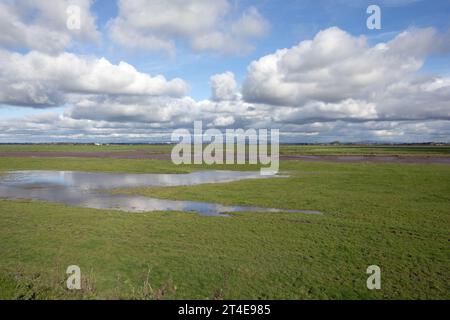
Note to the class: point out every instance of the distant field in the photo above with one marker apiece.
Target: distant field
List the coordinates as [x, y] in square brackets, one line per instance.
[367, 150]
[284, 149]
[395, 216]
[84, 148]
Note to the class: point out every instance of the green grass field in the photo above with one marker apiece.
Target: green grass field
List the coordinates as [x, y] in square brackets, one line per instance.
[83, 148]
[286, 149]
[396, 216]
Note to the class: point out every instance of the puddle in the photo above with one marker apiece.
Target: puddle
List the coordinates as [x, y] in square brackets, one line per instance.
[90, 190]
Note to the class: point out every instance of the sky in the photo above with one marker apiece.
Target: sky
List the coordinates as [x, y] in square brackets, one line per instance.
[136, 70]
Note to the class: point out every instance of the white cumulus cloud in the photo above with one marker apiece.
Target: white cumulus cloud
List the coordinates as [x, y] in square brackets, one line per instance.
[42, 25]
[38, 79]
[224, 86]
[336, 73]
[202, 25]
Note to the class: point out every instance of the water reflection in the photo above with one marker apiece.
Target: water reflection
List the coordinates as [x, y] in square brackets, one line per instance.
[89, 190]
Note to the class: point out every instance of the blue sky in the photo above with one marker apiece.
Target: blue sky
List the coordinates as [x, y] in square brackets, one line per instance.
[274, 25]
[291, 22]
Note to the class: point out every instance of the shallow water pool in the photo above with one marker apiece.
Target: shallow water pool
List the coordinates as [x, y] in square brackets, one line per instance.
[90, 190]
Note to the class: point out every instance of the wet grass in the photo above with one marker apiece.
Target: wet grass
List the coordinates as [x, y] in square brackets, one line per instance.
[395, 216]
[90, 165]
[109, 165]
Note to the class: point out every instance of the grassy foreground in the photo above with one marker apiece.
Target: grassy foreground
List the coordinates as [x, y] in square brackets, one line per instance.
[394, 216]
